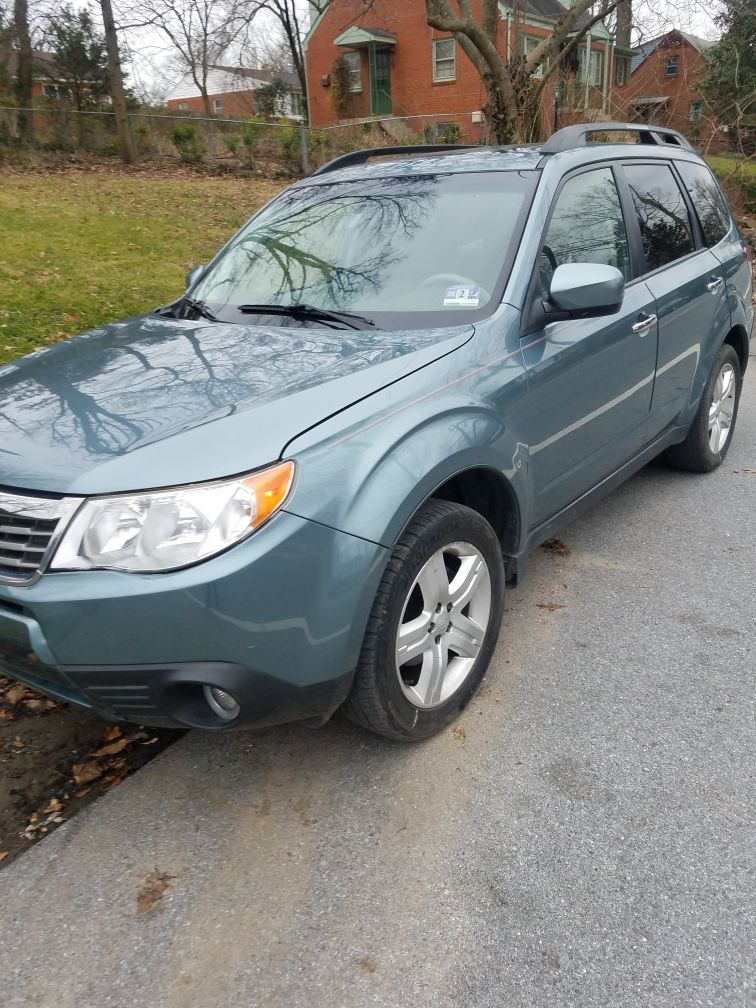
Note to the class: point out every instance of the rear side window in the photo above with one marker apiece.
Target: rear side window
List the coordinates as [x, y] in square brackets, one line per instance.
[663, 216]
[708, 200]
[587, 226]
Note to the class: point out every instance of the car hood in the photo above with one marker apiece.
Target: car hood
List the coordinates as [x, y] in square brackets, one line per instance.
[154, 402]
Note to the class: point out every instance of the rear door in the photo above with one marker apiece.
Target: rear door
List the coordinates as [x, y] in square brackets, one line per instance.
[589, 380]
[686, 280]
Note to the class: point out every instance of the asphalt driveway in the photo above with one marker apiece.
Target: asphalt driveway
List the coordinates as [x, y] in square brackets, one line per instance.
[583, 837]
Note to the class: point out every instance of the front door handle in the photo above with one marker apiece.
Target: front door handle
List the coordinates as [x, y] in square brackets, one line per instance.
[643, 325]
[715, 285]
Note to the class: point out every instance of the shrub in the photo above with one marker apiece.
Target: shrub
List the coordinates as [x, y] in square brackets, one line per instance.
[188, 143]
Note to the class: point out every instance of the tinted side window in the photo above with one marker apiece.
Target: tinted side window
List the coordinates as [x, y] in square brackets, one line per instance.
[662, 214]
[708, 200]
[586, 227]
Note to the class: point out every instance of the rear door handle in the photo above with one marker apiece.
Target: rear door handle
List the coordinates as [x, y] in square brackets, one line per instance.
[715, 285]
[643, 325]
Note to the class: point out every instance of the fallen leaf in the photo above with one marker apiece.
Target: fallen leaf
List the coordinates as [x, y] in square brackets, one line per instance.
[15, 694]
[6, 715]
[550, 606]
[152, 890]
[555, 545]
[111, 733]
[459, 733]
[54, 805]
[369, 964]
[85, 773]
[4, 854]
[18, 742]
[112, 748]
[751, 472]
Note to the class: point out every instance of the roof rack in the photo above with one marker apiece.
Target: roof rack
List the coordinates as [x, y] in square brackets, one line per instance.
[575, 136]
[363, 156]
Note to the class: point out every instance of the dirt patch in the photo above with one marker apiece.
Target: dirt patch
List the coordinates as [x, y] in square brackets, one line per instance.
[55, 759]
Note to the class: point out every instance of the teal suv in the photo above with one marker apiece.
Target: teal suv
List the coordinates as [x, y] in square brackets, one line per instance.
[305, 483]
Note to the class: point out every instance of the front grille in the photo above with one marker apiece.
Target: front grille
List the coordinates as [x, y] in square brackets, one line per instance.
[23, 544]
[27, 526]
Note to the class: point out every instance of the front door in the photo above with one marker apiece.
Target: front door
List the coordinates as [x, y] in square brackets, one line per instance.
[590, 380]
[380, 81]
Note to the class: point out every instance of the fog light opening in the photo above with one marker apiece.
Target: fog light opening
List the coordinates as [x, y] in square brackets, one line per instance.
[222, 703]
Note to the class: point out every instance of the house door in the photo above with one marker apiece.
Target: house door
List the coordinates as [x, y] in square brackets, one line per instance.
[380, 81]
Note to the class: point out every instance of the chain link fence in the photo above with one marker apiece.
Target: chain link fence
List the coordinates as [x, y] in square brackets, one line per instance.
[283, 147]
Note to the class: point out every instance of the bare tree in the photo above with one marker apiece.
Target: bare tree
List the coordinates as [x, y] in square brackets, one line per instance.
[288, 14]
[117, 91]
[511, 94]
[198, 32]
[24, 68]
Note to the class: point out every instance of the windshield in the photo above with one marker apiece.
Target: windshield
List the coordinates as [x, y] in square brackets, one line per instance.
[404, 252]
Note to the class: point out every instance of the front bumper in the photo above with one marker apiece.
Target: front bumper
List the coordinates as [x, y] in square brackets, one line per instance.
[278, 621]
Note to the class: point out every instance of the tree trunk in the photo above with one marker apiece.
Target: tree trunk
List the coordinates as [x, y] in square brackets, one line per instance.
[624, 24]
[126, 141]
[25, 70]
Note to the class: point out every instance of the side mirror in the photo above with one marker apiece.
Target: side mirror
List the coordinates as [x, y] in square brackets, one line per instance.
[587, 289]
[194, 276]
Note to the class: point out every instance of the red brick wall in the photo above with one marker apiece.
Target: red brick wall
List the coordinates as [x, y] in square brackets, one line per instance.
[414, 92]
[650, 81]
[236, 104]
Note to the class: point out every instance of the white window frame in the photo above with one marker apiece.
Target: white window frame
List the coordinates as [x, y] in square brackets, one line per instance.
[695, 111]
[672, 60]
[353, 62]
[444, 60]
[527, 44]
[596, 64]
[183, 106]
[620, 79]
[217, 104]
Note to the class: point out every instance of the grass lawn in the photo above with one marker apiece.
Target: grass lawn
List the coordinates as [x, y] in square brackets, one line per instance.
[82, 248]
[724, 165]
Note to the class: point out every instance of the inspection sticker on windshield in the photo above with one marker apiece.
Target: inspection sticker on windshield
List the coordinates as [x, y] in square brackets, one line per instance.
[463, 297]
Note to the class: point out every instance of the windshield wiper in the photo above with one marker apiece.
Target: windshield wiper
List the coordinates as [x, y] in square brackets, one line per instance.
[200, 307]
[307, 311]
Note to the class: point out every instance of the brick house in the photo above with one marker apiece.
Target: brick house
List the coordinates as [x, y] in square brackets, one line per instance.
[231, 91]
[400, 67]
[47, 79]
[662, 87]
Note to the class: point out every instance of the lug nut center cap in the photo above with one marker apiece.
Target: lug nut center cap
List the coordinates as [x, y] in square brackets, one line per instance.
[443, 622]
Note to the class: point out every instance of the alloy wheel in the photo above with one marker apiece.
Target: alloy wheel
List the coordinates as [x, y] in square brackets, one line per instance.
[722, 408]
[443, 625]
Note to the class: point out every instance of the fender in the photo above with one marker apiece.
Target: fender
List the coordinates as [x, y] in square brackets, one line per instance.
[368, 471]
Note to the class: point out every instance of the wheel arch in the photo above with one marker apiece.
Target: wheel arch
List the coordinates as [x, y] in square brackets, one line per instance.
[489, 492]
[737, 338]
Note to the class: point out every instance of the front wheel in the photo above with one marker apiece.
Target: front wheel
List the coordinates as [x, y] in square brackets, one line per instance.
[433, 626]
[711, 432]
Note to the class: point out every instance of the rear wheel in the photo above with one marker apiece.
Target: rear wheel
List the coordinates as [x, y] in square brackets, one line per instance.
[433, 627]
[711, 432]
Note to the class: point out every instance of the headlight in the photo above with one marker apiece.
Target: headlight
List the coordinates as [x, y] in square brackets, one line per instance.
[160, 530]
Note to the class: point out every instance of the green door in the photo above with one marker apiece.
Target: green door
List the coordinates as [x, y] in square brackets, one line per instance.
[380, 81]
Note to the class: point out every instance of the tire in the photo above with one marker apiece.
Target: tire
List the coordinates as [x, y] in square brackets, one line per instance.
[450, 555]
[707, 443]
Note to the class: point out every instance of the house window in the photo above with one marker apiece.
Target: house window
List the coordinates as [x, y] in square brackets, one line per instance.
[527, 44]
[620, 72]
[217, 105]
[671, 68]
[695, 111]
[53, 91]
[353, 62]
[183, 106]
[590, 74]
[444, 60]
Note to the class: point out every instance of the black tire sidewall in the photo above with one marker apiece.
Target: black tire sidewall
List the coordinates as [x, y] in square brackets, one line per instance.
[725, 355]
[461, 525]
